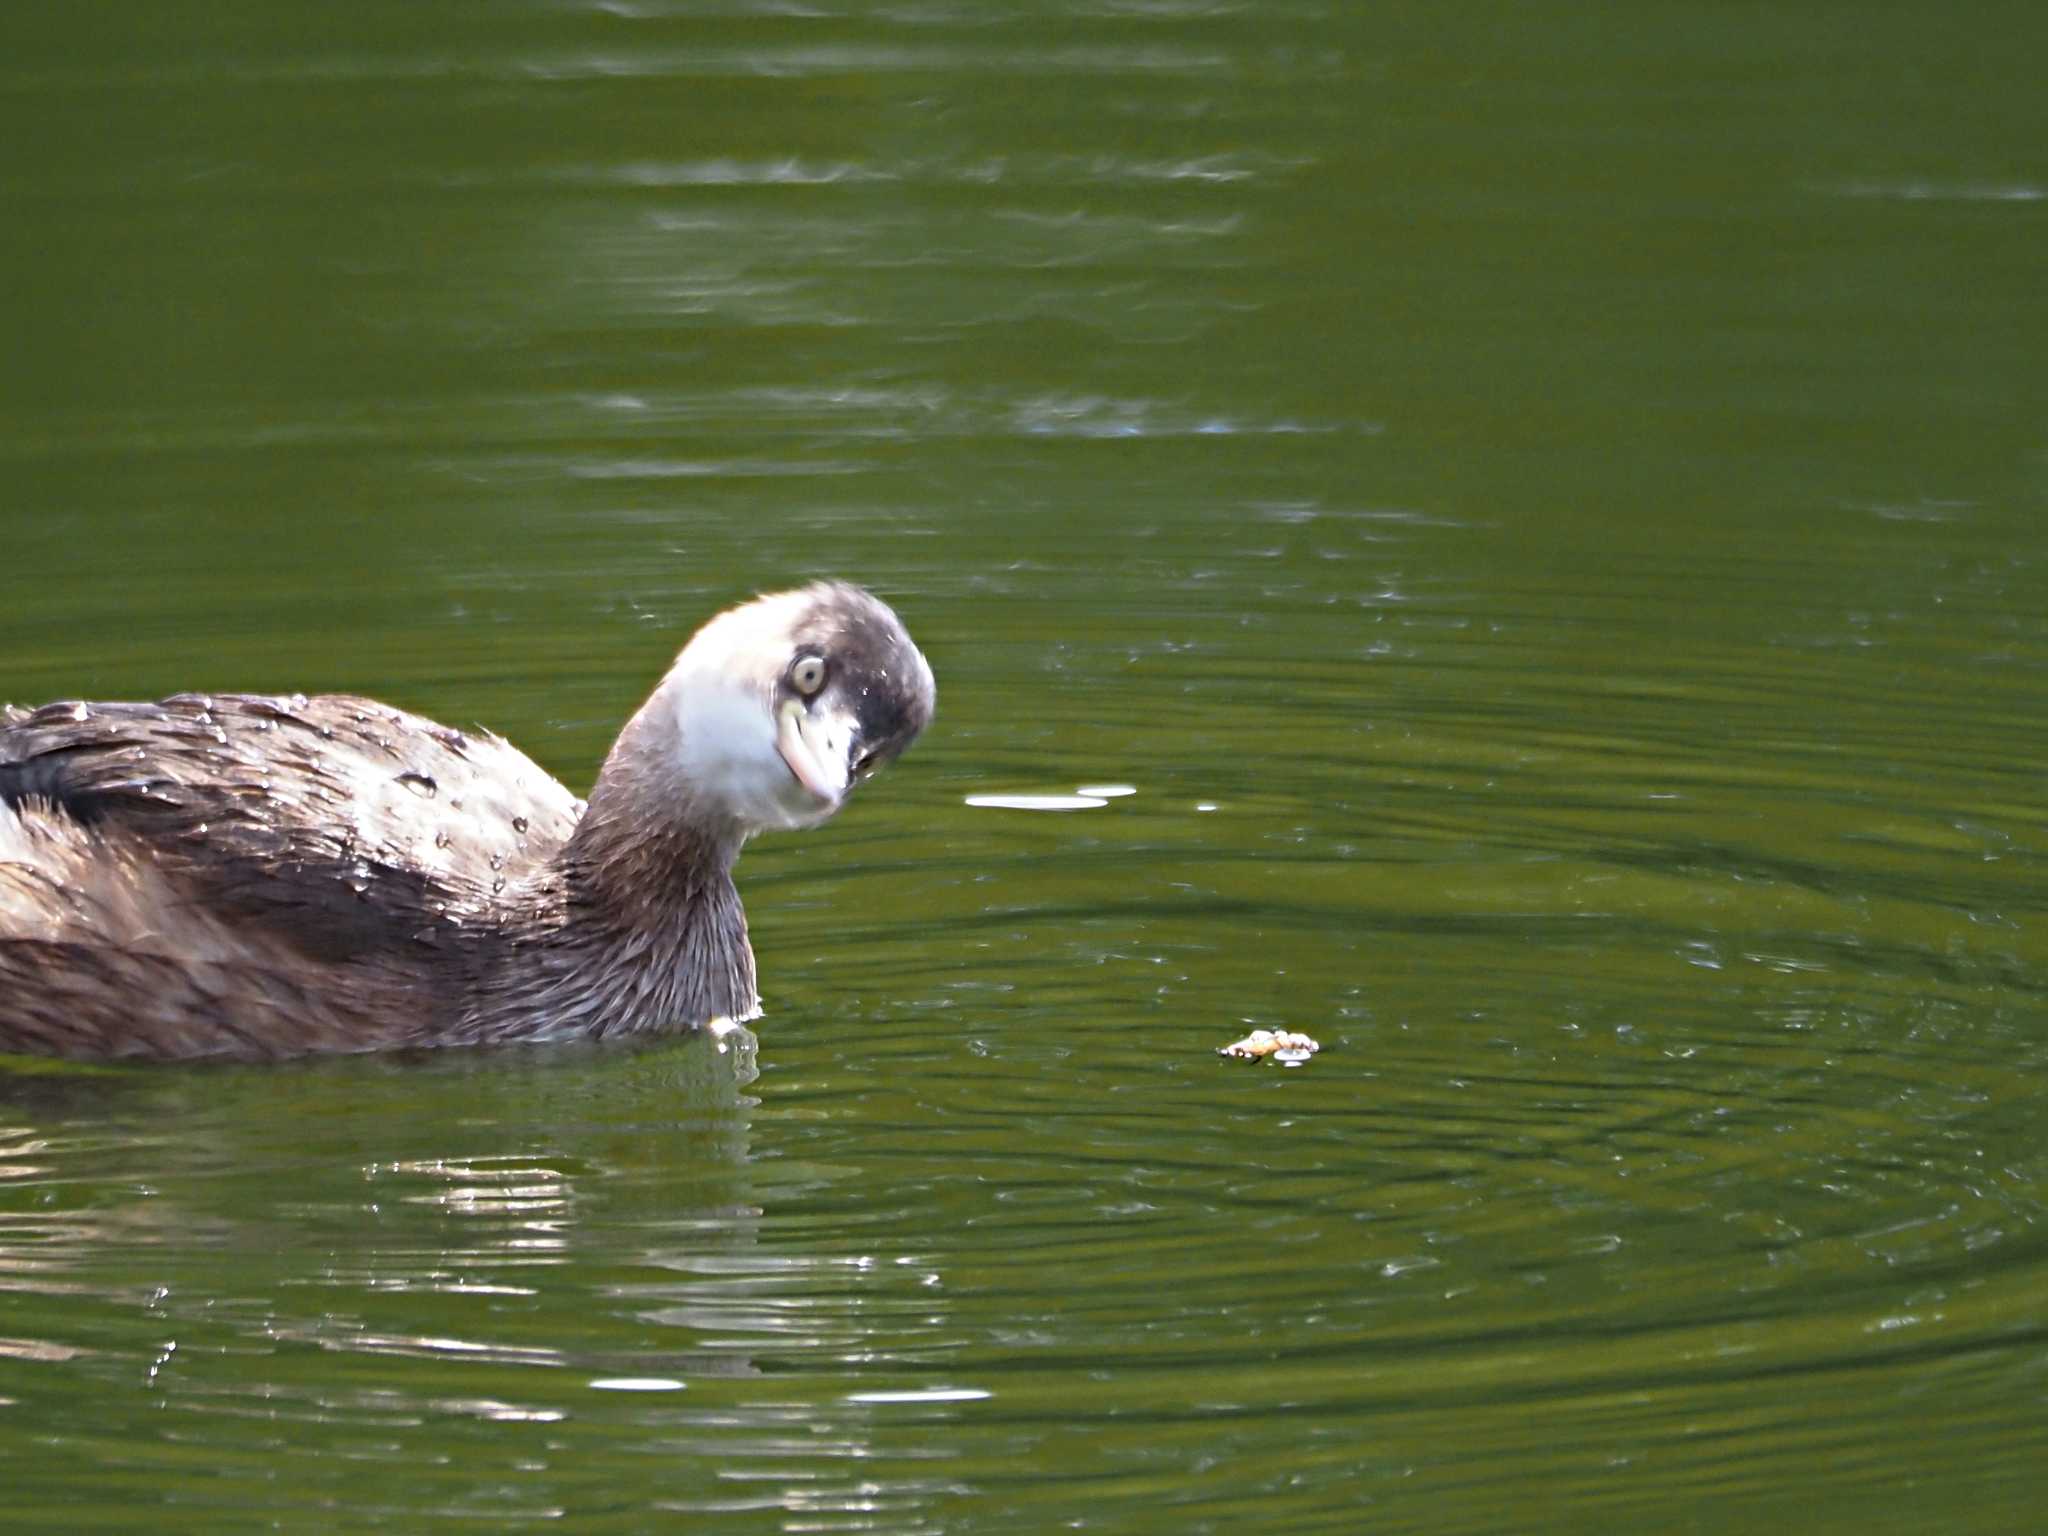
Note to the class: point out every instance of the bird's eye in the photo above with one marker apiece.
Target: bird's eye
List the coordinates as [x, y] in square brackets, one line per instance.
[807, 675]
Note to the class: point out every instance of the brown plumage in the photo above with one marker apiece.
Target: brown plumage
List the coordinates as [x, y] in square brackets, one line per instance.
[242, 876]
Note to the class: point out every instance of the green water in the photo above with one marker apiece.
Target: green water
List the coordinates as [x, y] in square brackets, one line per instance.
[1543, 504]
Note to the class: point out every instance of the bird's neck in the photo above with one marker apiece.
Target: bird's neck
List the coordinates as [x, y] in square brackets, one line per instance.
[635, 928]
[652, 913]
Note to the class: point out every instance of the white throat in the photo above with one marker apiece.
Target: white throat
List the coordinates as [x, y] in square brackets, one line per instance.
[728, 758]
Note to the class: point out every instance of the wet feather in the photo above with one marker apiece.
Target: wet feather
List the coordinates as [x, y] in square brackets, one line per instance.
[254, 876]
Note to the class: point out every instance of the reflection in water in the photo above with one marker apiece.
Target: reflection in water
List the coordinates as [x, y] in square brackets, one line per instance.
[473, 1252]
[1074, 802]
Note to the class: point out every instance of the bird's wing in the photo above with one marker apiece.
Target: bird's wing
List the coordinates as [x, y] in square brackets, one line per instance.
[343, 823]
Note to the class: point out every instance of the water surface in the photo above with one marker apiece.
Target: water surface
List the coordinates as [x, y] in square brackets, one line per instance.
[1541, 507]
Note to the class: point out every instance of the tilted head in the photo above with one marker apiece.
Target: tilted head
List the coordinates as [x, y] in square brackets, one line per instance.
[780, 706]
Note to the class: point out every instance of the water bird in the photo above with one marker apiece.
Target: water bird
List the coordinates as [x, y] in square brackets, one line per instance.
[252, 877]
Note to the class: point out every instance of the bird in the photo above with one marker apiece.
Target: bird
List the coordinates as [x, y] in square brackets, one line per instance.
[254, 877]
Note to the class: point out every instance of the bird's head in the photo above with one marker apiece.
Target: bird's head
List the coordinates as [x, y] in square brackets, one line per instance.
[780, 706]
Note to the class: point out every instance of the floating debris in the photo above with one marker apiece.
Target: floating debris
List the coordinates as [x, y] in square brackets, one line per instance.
[1287, 1046]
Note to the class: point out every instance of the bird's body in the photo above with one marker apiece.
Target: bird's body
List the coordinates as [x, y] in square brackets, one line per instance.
[248, 876]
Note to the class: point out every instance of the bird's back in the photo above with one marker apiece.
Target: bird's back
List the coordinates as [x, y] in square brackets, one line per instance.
[206, 853]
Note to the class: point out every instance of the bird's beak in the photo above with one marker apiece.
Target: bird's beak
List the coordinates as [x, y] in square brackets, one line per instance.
[818, 762]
